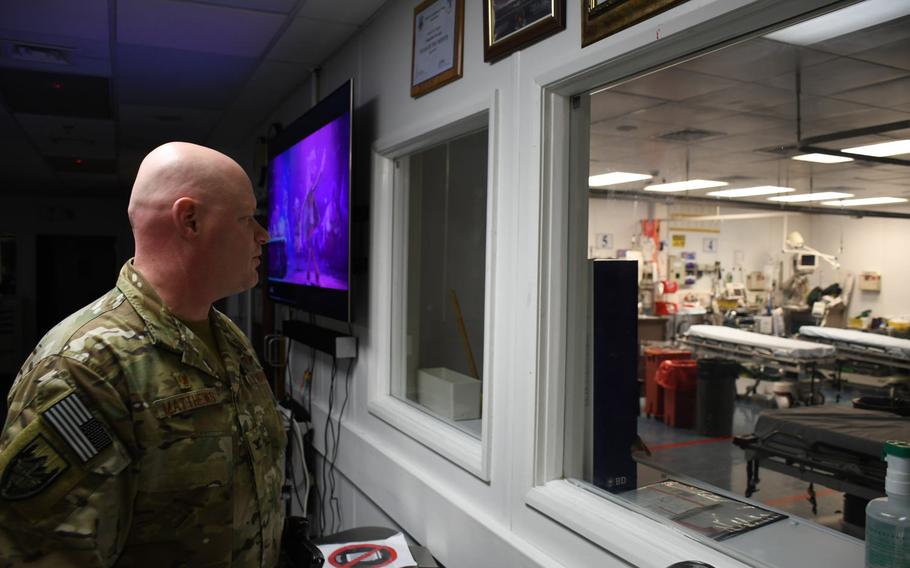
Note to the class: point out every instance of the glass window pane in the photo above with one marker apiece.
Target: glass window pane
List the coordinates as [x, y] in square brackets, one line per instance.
[726, 179]
[444, 311]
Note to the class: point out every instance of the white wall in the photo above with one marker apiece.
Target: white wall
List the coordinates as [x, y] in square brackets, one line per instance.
[866, 244]
[754, 244]
[464, 520]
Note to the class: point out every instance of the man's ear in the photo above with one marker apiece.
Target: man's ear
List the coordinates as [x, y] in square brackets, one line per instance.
[185, 215]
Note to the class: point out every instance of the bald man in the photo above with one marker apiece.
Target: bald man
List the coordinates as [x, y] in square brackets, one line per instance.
[141, 430]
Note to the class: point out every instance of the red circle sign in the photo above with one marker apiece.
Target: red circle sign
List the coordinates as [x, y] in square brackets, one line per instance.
[363, 556]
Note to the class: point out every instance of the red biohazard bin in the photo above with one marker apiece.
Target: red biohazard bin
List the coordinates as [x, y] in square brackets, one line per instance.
[678, 378]
[654, 356]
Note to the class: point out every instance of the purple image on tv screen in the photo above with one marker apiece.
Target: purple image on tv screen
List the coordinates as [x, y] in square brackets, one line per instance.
[308, 222]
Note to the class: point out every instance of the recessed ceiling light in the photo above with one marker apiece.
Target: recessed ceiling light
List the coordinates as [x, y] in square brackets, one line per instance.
[865, 201]
[841, 22]
[881, 150]
[822, 158]
[751, 191]
[615, 178]
[685, 185]
[820, 196]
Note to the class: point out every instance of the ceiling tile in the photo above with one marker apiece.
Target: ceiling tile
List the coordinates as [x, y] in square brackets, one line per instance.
[77, 137]
[87, 19]
[630, 127]
[868, 38]
[895, 54]
[679, 114]
[272, 83]
[748, 123]
[675, 84]
[311, 42]
[607, 104]
[815, 108]
[278, 6]
[744, 97]
[838, 75]
[889, 93]
[58, 94]
[171, 77]
[332, 11]
[755, 60]
[144, 126]
[196, 27]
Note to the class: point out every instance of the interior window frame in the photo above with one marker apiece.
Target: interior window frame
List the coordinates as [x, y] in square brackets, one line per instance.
[565, 101]
[391, 174]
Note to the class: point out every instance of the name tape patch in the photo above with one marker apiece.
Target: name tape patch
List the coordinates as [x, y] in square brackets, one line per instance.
[185, 402]
[78, 428]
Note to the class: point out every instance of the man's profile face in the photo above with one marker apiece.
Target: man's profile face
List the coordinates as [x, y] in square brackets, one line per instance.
[234, 240]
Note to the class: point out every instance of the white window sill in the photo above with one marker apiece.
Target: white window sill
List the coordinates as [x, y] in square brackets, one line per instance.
[631, 536]
[456, 445]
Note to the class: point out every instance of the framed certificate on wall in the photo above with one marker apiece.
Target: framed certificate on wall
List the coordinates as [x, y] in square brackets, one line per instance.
[438, 45]
[600, 18]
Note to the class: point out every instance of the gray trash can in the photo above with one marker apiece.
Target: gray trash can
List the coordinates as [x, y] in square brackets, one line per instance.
[715, 396]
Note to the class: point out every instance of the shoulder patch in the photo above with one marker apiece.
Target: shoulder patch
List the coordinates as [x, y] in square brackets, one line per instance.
[76, 425]
[32, 470]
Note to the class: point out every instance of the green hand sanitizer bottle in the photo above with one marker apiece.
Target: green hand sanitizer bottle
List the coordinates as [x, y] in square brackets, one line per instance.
[888, 518]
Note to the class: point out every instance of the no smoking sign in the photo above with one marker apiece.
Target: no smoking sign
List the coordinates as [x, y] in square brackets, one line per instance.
[362, 555]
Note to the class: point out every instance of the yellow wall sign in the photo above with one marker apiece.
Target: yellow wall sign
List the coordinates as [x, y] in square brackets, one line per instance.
[679, 241]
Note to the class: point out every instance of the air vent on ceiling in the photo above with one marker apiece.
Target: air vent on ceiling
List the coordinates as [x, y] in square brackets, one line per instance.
[690, 135]
[40, 54]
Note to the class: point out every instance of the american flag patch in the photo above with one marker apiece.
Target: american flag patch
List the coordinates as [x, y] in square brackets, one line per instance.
[72, 420]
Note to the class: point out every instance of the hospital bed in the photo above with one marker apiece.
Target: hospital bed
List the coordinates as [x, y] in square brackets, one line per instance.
[796, 361]
[881, 359]
[862, 346]
[837, 446]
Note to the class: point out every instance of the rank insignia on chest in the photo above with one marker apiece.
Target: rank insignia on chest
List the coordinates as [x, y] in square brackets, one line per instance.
[31, 470]
[78, 428]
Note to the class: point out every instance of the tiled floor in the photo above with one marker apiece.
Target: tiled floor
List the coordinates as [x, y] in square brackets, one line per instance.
[718, 462]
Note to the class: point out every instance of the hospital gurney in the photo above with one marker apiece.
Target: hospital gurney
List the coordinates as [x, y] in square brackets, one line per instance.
[836, 446]
[868, 353]
[796, 360]
[857, 345]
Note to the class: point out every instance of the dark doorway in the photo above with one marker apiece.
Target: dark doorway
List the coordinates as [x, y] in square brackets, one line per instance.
[72, 271]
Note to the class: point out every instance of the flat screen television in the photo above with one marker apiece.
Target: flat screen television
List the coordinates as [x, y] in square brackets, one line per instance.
[309, 204]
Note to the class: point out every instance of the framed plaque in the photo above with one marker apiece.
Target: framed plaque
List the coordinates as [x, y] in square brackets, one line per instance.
[438, 45]
[509, 25]
[600, 18]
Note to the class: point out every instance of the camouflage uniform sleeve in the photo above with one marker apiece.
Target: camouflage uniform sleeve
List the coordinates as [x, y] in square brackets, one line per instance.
[65, 487]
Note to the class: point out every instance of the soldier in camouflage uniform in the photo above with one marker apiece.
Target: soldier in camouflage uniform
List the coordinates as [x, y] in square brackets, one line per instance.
[141, 430]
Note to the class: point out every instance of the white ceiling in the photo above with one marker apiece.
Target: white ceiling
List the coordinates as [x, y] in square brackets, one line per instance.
[746, 97]
[206, 71]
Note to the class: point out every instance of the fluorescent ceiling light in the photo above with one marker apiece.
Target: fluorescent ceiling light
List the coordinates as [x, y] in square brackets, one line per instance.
[615, 178]
[834, 24]
[881, 150]
[865, 201]
[820, 196]
[822, 158]
[685, 185]
[751, 191]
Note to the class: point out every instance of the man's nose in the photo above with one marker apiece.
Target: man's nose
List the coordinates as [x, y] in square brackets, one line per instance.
[262, 236]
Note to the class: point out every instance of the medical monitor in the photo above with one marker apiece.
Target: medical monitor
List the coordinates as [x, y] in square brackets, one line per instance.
[806, 261]
[309, 194]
